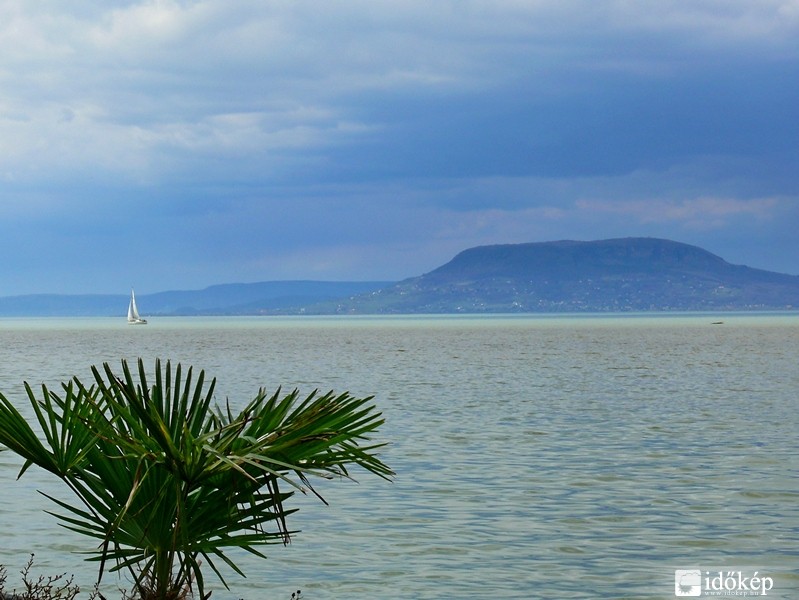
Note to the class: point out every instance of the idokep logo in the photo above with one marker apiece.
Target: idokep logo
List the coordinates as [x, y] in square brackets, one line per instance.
[688, 582]
[693, 582]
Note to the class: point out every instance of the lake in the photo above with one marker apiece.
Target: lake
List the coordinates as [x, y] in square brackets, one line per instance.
[536, 456]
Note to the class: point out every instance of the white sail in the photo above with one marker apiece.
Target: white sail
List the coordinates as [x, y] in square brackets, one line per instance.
[133, 311]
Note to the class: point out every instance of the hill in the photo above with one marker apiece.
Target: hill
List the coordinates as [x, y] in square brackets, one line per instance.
[227, 299]
[630, 274]
[618, 275]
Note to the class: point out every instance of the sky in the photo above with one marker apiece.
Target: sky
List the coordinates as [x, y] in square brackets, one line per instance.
[173, 145]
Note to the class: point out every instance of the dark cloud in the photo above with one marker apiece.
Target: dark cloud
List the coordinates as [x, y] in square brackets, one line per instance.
[190, 143]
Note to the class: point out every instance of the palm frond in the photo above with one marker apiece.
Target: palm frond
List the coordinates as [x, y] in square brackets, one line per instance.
[164, 478]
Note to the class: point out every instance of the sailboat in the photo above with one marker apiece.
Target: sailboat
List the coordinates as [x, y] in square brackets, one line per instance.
[133, 312]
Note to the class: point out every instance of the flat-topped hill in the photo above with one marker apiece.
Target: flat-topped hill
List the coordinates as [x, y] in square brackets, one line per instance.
[629, 274]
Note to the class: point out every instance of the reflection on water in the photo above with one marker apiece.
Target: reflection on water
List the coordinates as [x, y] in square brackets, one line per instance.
[537, 457]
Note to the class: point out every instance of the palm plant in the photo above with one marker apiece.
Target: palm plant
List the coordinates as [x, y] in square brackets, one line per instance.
[166, 481]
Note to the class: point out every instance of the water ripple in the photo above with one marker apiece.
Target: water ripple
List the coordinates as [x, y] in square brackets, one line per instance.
[536, 458]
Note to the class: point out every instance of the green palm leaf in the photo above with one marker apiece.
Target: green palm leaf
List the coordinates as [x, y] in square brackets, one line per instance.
[165, 479]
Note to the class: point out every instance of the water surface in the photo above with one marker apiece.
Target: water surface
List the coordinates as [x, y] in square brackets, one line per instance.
[536, 457]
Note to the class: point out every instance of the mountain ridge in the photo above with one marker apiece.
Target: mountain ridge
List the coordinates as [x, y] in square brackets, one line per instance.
[219, 299]
[614, 275]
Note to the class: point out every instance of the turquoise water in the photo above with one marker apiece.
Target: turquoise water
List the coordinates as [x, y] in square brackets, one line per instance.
[536, 457]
